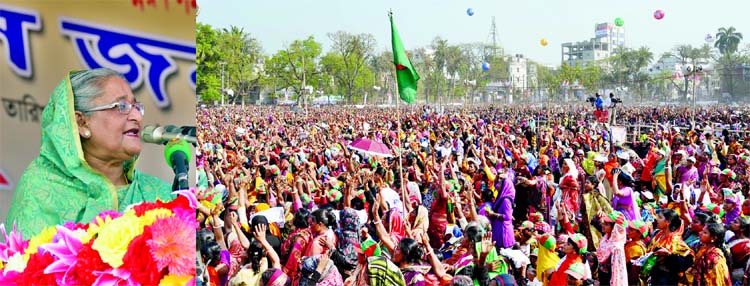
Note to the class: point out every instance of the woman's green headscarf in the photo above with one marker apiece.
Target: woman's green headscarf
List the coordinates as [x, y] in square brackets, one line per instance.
[59, 186]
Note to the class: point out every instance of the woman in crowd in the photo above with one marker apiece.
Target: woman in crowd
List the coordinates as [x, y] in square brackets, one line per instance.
[739, 248]
[673, 255]
[574, 250]
[611, 251]
[711, 267]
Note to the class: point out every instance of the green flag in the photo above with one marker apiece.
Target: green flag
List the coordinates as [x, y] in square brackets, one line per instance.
[406, 76]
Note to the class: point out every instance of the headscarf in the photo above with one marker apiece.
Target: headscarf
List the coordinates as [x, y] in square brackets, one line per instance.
[396, 225]
[588, 163]
[612, 248]
[547, 257]
[39, 201]
[421, 222]
[572, 170]
[348, 235]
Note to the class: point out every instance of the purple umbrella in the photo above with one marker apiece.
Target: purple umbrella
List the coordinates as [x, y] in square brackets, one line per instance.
[370, 147]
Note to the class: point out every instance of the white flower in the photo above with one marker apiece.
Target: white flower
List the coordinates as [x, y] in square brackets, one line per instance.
[15, 263]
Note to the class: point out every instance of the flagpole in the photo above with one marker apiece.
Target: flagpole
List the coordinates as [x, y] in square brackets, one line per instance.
[398, 139]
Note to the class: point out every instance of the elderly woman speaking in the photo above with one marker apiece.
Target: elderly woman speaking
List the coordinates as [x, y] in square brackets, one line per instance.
[86, 164]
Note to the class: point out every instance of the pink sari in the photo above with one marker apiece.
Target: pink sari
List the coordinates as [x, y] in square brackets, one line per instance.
[299, 239]
[612, 248]
[314, 248]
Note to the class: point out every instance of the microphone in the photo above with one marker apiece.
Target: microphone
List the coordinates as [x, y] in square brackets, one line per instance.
[178, 153]
[162, 134]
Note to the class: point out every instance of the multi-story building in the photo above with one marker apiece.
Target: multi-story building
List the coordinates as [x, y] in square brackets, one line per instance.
[607, 37]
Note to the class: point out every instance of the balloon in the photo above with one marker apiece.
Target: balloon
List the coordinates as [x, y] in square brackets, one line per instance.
[544, 42]
[486, 66]
[658, 14]
[470, 12]
[710, 38]
[619, 22]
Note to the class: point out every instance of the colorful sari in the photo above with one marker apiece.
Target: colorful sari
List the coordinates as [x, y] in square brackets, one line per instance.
[710, 268]
[659, 183]
[421, 223]
[680, 257]
[330, 276]
[559, 277]
[611, 252]
[382, 272]
[60, 186]
[740, 251]
[396, 225]
[294, 248]
[502, 228]
[314, 248]
[634, 250]
[235, 252]
[594, 202]
[546, 259]
[569, 187]
[348, 236]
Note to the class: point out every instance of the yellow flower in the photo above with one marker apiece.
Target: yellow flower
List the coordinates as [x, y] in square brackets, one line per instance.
[15, 263]
[149, 217]
[43, 237]
[114, 237]
[94, 228]
[172, 280]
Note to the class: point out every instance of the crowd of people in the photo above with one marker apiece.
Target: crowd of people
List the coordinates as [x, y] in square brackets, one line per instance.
[490, 195]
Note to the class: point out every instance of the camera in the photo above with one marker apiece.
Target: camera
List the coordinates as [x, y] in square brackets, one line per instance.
[616, 100]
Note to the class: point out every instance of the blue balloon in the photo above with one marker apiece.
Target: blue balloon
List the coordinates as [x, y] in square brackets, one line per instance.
[470, 12]
[486, 66]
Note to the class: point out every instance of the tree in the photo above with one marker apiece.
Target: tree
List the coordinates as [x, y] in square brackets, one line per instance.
[241, 53]
[352, 52]
[727, 40]
[688, 55]
[207, 56]
[383, 71]
[297, 66]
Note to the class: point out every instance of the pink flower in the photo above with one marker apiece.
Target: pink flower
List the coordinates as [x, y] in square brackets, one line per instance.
[65, 249]
[14, 243]
[173, 245]
[116, 276]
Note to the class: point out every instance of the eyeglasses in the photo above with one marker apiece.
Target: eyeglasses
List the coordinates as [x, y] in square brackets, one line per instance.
[123, 106]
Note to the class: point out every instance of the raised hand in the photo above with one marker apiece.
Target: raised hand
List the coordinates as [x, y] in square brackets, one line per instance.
[260, 232]
[487, 243]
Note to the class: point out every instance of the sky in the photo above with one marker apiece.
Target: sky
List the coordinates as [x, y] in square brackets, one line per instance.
[521, 24]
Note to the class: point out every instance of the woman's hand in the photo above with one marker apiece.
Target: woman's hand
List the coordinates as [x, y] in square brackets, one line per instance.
[260, 232]
[324, 242]
[323, 261]
[487, 243]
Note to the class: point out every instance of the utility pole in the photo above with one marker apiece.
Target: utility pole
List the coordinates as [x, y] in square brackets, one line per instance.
[222, 82]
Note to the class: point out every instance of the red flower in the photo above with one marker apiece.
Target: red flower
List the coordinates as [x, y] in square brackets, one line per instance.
[179, 202]
[139, 262]
[142, 208]
[87, 261]
[34, 272]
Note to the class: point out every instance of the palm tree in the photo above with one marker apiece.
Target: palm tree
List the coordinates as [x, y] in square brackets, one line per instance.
[727, 40]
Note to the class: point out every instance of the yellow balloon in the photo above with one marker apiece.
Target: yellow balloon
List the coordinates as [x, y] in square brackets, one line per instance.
[544, 42]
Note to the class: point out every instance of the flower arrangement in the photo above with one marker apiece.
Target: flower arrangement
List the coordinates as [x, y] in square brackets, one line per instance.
[147, 244]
